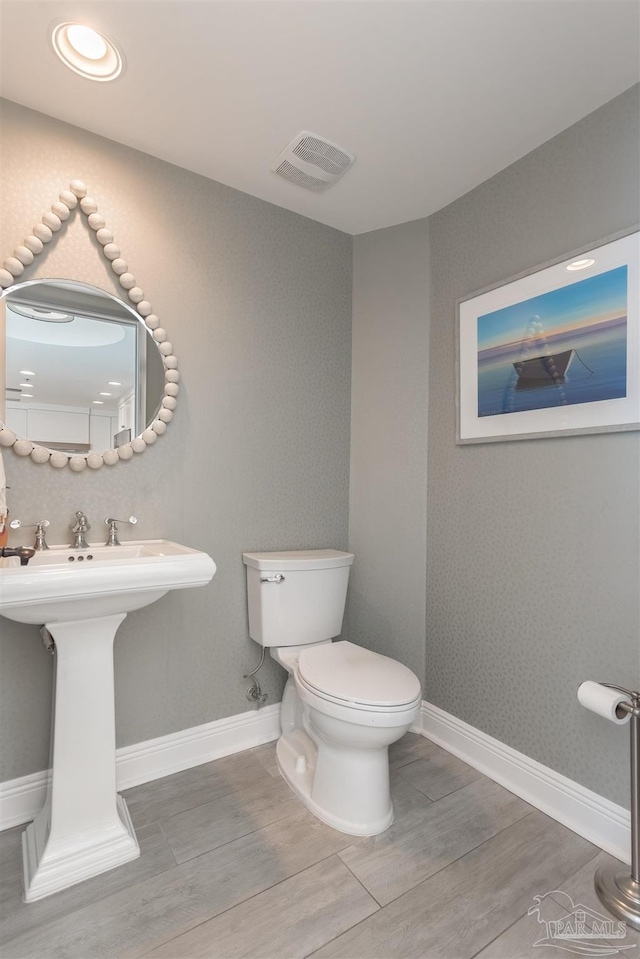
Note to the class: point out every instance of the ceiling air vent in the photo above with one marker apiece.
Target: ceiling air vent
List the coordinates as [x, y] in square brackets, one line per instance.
[312, 162]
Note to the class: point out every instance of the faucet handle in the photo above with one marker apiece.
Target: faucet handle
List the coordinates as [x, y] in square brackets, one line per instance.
[112, 539]
[41, 543]
[17, 524]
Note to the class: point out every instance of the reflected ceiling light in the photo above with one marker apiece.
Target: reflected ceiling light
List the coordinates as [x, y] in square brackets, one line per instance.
[113, 383]
[579, 265]
[26, 396]
[27, 373]
[98, 403]
[45, 316]
[28, 385]
[87, 52]
[104, 394]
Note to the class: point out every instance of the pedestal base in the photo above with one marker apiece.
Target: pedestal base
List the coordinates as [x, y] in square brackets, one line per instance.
[84, 828]
[619, 893]
[50, 866]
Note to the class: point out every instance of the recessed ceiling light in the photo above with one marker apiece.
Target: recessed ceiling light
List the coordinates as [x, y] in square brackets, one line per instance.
[27, 373]
[104, 394]
[45, 316]
[113, 383]
[28, 385]
[26, 396]
[86, 41]
[98, 403]
[579, 265]
[87, 52]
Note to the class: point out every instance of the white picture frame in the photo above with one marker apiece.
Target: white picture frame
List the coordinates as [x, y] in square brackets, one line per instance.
[552, 352]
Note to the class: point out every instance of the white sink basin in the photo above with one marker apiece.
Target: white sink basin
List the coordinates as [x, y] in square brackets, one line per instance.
[62, 584]
[81, 597]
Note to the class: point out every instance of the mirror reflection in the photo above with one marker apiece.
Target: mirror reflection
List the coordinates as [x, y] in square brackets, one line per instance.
[82, 372]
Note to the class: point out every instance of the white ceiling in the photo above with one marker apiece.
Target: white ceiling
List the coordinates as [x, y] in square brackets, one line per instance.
[432, 97]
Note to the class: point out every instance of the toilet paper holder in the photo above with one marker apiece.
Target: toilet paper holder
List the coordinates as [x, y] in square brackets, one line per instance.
[616, 889]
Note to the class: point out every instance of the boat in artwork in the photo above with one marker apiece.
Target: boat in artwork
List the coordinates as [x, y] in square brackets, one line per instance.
[540, 371]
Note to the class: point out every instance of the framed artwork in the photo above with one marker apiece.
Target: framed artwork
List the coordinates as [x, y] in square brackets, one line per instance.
[555, 352]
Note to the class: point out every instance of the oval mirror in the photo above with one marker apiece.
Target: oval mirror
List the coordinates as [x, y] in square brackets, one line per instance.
[86, 373]
[83, 374]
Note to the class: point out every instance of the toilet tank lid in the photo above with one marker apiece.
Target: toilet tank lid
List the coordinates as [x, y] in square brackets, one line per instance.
[298, 559]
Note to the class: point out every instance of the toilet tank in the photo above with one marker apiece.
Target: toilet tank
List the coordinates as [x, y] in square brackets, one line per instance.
[297, 596]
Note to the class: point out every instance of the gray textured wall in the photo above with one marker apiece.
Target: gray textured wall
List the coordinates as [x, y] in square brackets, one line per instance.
[533, 558]
[257, 302]
[387, 506]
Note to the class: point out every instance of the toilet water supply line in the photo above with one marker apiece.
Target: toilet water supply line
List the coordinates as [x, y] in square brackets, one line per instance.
[616, 889]
[254, 693]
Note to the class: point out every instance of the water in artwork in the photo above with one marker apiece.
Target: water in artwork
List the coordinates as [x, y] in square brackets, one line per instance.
[560, 348]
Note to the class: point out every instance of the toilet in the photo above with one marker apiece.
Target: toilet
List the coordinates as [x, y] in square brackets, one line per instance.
[343, 705]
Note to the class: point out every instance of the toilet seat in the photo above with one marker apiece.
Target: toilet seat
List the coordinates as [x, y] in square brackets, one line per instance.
[351, 676]
[357, 714]
[344, 706]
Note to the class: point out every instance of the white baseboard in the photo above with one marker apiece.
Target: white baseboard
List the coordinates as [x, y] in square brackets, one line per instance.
[597, 819]
[22, 799]
[592, 816]
[192, 747]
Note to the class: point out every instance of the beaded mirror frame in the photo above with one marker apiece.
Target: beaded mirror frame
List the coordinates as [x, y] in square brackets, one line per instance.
[13, 268]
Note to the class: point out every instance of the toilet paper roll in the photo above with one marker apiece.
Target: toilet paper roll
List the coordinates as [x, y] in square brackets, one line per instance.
[603, 701]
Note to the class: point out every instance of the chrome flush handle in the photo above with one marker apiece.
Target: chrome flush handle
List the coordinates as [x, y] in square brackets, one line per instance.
[278, 578]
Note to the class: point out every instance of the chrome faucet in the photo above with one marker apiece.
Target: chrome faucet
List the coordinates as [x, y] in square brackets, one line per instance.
[79, 529]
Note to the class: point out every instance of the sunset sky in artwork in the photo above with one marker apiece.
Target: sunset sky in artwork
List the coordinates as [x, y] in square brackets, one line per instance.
[576, 306]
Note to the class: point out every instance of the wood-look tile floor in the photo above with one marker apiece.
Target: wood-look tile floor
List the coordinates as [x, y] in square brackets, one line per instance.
[234, 865]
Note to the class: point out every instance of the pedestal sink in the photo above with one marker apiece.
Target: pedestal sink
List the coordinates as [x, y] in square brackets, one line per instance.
[81, 597]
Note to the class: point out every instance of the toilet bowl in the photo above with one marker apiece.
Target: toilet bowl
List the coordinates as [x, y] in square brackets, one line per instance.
[343, 705]
[345, 777]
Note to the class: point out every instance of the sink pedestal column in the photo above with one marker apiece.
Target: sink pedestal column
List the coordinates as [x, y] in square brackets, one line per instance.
[84, 827]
